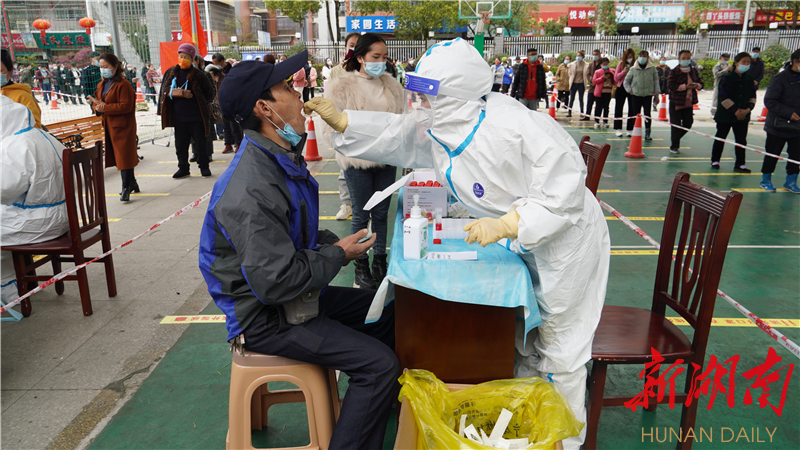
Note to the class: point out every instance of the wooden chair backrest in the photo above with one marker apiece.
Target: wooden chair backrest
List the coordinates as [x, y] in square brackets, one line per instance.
[88, 128]
[594, 155]
[699, 220]
[85, 189]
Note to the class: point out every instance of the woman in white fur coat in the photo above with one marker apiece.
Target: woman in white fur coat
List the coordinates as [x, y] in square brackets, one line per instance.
[364, 86]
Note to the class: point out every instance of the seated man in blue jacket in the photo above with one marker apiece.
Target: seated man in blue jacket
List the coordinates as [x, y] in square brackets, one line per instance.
[267, 265]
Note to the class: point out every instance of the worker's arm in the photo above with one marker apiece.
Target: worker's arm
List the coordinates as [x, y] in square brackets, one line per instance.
[17, 165]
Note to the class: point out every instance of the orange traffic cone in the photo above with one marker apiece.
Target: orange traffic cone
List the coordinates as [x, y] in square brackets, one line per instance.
[312, 152]
[552, 111]
[54, 103]
[662, 109]
[635, 150]
[139, 96]
[763, 116]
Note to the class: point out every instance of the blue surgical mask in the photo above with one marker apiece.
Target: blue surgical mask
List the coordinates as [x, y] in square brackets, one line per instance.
[3, 79]
[605, 67]
[579, 58]
[375, 69]
[106, 73]
[642, 60]
[686, 62]
[662, 63]
[743, 68]
[755, 54]
[95, 62]
[287, 133]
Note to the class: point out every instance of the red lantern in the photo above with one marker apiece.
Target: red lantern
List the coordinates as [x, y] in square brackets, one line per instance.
[41, 24]
[88, 23]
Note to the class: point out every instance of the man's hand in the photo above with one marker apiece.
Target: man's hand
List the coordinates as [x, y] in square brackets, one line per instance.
[794, 117]
[742, 113]
[354, 250]
[100, 107]
[327, 111]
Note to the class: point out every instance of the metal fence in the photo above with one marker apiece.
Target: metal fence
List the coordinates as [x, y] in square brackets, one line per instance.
[668, 45]
[519, 45]
[790, 39]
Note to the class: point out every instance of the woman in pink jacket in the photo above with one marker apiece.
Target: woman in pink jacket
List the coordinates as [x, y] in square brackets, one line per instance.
[624, 66]
[603, 80]
[299, 80]
[308, 92]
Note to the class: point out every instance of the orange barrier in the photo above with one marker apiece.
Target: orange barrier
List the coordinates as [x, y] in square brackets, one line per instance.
[662, 109]
[635, 150]
[312, 152]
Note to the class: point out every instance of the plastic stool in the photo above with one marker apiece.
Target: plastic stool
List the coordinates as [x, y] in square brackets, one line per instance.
[250, 399]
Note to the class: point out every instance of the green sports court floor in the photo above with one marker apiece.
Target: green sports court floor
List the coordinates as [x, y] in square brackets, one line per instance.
[183, 403]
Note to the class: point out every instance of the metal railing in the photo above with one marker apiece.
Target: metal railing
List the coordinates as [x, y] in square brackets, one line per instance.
[613, 46]
[790, 39]
[519, 45]
[720, 42]
[668, 45]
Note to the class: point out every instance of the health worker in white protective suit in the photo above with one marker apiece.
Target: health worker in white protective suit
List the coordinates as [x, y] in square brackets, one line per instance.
[33, 202]
[524, 176]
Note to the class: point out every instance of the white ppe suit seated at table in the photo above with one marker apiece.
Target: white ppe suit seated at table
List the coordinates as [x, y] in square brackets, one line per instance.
[33, 202]
[525, 177]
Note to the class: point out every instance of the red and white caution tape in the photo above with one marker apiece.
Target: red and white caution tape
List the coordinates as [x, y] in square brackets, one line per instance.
[773, 333]
[68, 272]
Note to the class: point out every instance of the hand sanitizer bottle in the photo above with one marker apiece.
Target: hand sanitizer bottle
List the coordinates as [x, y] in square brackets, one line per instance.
[415, 234]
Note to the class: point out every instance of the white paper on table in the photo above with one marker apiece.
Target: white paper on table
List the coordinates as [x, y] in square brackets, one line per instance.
[454, 256]
[384, 194]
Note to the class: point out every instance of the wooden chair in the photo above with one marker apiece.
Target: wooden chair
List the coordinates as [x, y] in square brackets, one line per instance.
[699, 220]
[594, 155]
[88, 225]
[72, 132]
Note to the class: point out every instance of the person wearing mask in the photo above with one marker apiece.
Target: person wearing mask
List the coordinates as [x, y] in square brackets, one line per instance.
[326, 73]
[183, 103]
[782, 100]
[720, 69]
[90, 75]
[401, 72]
[349, 45]
[43, 77]
[26, 77]
[663, 75]
[153, 74]
[390, 68]
[281, 58]
[737, 98]
[218, 60]
[346, 208]
[683, 84]
[75, 83]
[231, 130]
[757, 66]
[562, 83]
[299, 82]
[18, 92]
[641, 83]
[603, 81]
[410, 67]
[34, 206]
[591, 69]
[530, 83]
[498, 72]
[308, 92]
[508, 77]
[366, 87]
[546, 71]
[60, 83]
[115, 100]
[577, 81]
[270, 58]
[621, 96]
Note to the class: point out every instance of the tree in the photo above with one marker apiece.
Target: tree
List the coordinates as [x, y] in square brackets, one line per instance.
[605, 17]
[553, 27]
[695, 16]
[333, 37]
[295, 10]
[522, 18]
[415, 19]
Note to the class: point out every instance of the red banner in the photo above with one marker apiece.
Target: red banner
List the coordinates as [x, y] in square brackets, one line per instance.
[723, 17]
[186, 26]
[781, 17]
[19, 43]
[581, 17]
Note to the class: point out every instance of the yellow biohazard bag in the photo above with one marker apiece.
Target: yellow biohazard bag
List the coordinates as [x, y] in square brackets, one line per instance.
[541, 413]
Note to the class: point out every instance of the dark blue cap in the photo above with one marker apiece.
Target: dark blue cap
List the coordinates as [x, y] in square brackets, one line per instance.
[245, 82]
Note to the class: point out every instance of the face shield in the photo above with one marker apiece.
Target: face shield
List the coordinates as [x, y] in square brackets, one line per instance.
[422, 95]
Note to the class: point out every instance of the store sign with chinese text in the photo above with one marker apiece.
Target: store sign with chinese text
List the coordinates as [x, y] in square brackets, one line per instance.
[581, 17]
[59, 41]
[723, 17]
[371, 24]
[650, 14]
[781, 17]
[22, 41]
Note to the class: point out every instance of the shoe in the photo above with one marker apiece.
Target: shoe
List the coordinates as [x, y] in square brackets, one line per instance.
[135, 186]
[618, 133]
[605, 124]
[379, 267]
[585, 119]
[647, 135]
[181, 173]
[193, 159]
[791, 184]
[205, 172]
[596, 125]
[235, 149]
[228, 149]
[715, 165]
[766, 182]
[628, 134]
[126, 194]
[345, 211]
[741, 169]
[674, 151]
[569, 114]
[363, 278]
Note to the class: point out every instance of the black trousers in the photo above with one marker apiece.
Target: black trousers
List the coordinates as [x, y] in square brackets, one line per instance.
[504, 88]
[775, 146]
[590, 99]
[496, 87]
[635, 105]
[619, 105]
[127, 177]
[681, 117]
[739, 133]
[305, 94]
[601, 106]
[339, 339]
[576, 91]
[185, 132]
[232, 131]
[563, 99]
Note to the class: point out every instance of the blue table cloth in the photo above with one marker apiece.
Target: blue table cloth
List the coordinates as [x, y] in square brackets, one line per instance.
[498, 278]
